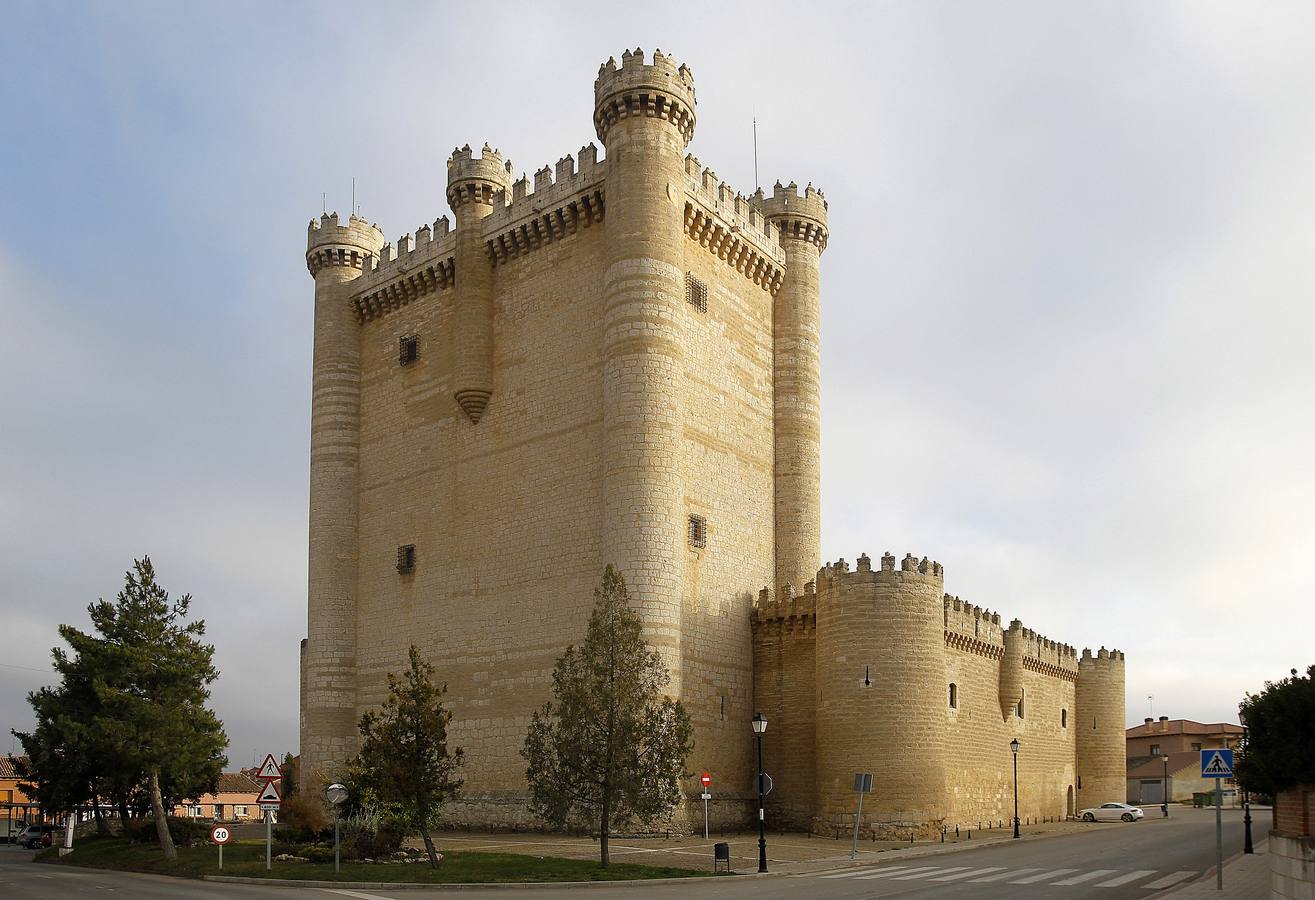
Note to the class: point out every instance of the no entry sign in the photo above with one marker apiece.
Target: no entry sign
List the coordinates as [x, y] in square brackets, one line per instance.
[706, 779]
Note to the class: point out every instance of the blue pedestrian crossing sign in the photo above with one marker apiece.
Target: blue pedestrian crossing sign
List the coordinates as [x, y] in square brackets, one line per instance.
[1217, 763]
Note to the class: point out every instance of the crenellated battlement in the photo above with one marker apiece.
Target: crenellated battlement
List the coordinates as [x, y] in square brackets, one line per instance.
[797, 612]
[910, 567]
[420, 263]
[662, 90]
[1102, 659]
[562, 201]
[800, 218]
[331, 243]
[724, 222]
[473, 178]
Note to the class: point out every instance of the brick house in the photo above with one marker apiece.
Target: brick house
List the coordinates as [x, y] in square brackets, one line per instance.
[234, 801]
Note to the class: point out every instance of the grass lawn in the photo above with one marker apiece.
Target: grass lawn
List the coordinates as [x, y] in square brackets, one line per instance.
[247, 858]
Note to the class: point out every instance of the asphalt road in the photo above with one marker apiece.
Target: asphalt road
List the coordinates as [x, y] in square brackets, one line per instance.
[1137, 860]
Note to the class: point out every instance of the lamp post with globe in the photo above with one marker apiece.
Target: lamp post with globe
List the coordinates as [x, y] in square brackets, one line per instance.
[336, 794]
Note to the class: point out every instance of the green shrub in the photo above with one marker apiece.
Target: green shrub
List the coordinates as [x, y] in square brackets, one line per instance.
[185, 832]
[316, 853]
[378, 843]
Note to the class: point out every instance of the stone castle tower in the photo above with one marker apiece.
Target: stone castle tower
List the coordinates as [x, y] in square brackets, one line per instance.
[616, 363]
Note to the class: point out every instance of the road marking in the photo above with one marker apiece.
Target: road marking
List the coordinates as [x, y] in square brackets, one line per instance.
[354, 894]
[956, 877]
[1124, 879]
[1171, 880]
[1033, 879]
[852, 872]
[913, 875]
[1086, 876]
[897, 871]
[1005, 874]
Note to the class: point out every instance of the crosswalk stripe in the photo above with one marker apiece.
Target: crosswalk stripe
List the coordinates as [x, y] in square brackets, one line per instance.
[1124, 879]
[852, 872]
[1033, 879]
[1171, 880]
[885, 873]
[1007, 873]
[1086, 876]
[934, 871]
[959, 875]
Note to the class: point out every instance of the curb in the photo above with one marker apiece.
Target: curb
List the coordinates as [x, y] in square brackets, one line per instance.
[450, 886]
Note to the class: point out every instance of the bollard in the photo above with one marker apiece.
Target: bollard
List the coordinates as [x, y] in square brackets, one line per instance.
[956, 830]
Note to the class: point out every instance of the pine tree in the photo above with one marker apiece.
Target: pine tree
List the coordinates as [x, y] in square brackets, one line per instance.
[133, 700]
[610, 748]
[404, 760]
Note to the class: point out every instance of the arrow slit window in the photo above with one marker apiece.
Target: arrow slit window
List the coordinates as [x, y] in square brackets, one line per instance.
[954, 695]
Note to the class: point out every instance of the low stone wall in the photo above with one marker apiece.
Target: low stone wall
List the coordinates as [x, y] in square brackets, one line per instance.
[1291, 866]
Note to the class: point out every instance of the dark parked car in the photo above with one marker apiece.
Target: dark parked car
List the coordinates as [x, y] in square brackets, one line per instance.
[34, 837]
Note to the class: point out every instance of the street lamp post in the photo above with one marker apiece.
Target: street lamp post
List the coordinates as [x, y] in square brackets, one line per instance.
[336, 794]
[1247, 846]
[1014, 745]
[759, 726]
[1164, 807]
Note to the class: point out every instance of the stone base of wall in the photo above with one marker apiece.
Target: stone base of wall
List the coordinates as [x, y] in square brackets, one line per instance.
[877, 830]
[1291, 866]
[488, 812]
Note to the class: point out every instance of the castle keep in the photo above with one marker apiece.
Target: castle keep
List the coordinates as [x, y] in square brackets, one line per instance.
[618, 362]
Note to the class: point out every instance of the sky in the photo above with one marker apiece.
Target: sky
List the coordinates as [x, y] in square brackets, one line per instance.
[1067, 311]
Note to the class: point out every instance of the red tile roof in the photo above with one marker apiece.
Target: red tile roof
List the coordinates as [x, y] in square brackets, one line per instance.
[7, 769]
[1182, 726]
[238, 783]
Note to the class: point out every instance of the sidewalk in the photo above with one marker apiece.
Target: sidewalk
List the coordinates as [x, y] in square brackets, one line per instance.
[1246, 877]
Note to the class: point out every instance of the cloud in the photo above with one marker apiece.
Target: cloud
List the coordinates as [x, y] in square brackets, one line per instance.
[1066, 317]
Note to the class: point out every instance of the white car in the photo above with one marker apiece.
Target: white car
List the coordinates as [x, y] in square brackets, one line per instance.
[1110, 812]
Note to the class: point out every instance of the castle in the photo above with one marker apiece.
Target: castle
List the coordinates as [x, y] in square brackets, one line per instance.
[619, 363]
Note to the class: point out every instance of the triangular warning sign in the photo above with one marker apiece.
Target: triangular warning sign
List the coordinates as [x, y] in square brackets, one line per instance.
[270, 794]
[269, 768]
[1217, 766]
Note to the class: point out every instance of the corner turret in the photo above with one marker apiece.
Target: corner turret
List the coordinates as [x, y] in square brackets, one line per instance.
[1101, 738]
[330, 243]
[662, 90]
[800, 218]
[475, 186]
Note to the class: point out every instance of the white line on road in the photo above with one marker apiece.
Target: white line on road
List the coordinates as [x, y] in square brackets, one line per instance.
[897, 870]
[970, 872]
[1124, 879]
[1005, 874]
[354, 894]
[912, 875]
[852, 872]
[1171, 880]
[1033, 879]
[1086, 876]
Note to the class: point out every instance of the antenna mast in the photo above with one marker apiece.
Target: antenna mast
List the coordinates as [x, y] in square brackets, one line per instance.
[353, 195]
[755, 153]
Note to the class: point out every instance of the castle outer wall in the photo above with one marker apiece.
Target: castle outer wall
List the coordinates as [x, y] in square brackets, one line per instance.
[878, 670]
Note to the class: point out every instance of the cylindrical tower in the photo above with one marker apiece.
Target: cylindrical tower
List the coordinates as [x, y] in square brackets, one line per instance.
[644, 115]
[880, 685]
[1101, 731]
[796, 367]
[472, 188]
[335, 255]
[1011, 670]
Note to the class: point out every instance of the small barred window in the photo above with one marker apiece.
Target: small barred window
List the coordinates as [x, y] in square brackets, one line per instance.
[406, 559]
[698, 531]
[696, 293]
[408, 350]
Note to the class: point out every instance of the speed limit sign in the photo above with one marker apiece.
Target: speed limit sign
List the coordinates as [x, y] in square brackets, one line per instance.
[220, 834]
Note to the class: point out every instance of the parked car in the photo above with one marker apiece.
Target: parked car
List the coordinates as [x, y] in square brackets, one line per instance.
[1112, 812]
[34, 837]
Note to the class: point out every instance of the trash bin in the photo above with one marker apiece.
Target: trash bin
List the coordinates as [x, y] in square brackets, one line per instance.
[721, 853]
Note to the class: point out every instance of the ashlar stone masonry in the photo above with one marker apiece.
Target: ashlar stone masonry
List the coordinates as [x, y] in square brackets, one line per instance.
[619, 362]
